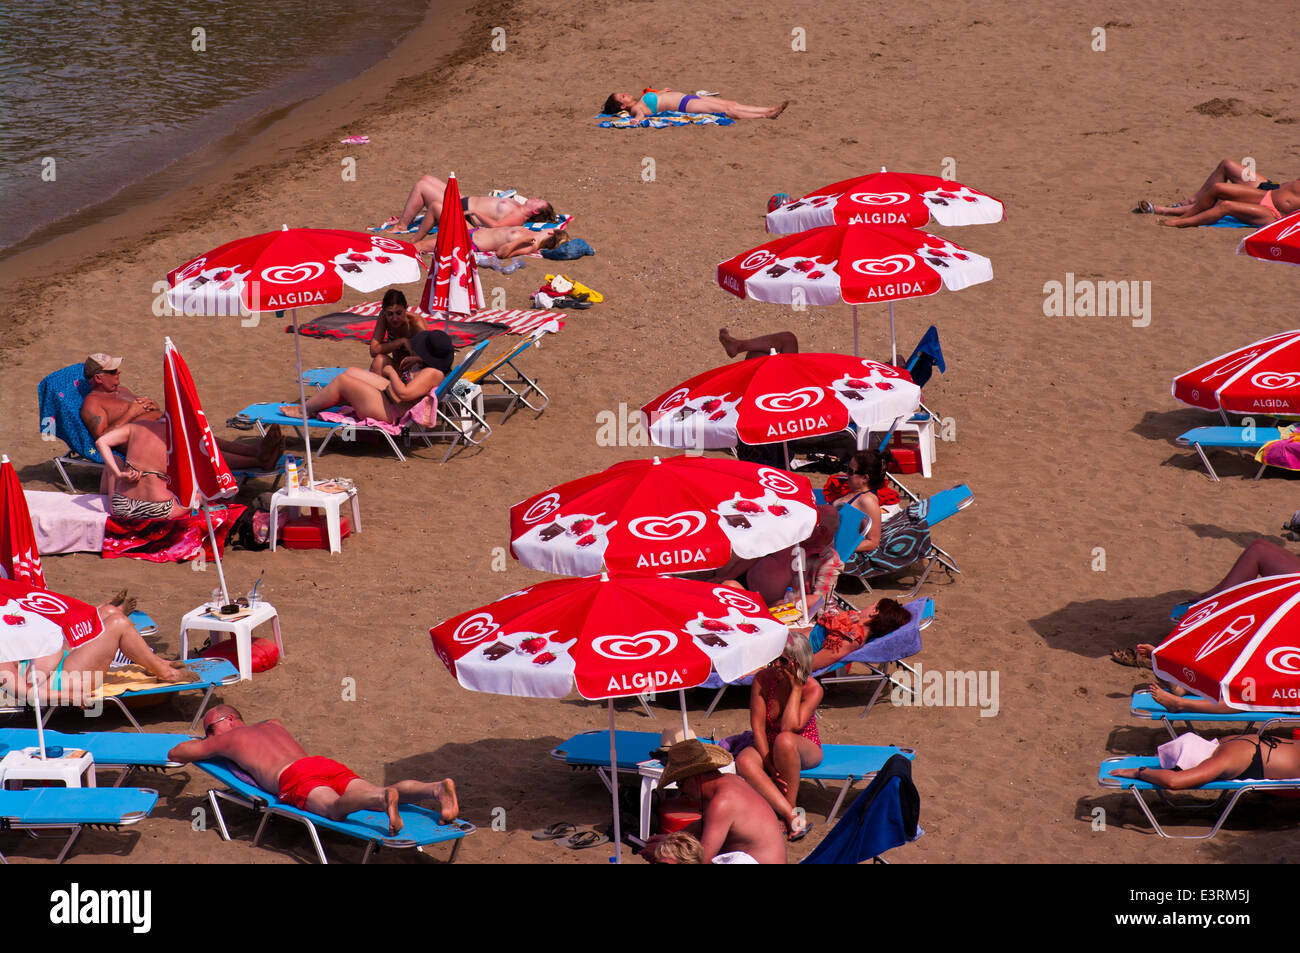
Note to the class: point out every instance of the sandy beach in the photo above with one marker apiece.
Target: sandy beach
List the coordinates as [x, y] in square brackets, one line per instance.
[1089, 523]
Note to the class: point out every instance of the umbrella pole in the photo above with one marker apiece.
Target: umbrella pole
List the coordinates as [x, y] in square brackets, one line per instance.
[681, 699]
[216, 555]
[36, 700]
[893, 344]
[613, 786]
[855, 330]
[302, 400]
[785, 447]
[803, 589]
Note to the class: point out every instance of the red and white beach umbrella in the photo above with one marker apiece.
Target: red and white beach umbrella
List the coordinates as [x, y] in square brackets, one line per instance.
[610, 637]
[778, 398]
[452, 285]
[1263, 377]
[887, 198]
[1277, 242]
[857, 264]
[662, 516]
[287, 270]
[1240, 646]
[196, 471]
[20, 560]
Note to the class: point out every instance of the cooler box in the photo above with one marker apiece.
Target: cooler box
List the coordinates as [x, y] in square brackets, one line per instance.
[312, 532]
[677, 814]
[904, 454]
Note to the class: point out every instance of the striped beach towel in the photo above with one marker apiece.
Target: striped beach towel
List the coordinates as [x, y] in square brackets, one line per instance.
[516, 320]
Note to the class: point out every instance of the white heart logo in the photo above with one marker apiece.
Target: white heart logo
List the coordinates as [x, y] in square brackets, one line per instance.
[294, 274]
[686, 523]
[674, 400]
[893, 265]
[757, 259]
[635, 647]
[880, 198]
[790, 401]
[776, 481]
[42, 603]
[1285, 660]
[388, 244]
[542, 507]
[1269, 381]
[736, 599]
[190, 270]
[476, 628]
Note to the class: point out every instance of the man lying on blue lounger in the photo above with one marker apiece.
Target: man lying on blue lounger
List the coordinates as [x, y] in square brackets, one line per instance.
[268, 753]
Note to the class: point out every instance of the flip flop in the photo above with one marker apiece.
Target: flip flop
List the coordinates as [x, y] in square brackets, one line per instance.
[795, 836]
[1145, 208]
[586, 839]
[556, 831]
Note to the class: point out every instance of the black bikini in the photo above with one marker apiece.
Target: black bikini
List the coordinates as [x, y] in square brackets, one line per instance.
[1255, 770]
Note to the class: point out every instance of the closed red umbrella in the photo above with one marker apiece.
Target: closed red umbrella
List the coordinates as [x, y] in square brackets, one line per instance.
[1240, 646]
[196, 470]
[1263, 377]
[887, 198]
[857, 264]
[1277, 242]
[452, 285]
[19, 558]
[662, 516]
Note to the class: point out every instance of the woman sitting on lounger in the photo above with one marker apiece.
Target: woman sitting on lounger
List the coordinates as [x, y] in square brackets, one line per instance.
[866, 479]
[783, 720]
[503, 242]
[1237, 758]
[387, 396]
[59, 671]
[142, 491]
[654, 101]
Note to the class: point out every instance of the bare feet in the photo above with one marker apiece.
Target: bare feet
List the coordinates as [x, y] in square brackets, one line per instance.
[290, 410]
[391, 806]
[171, 671]
[779, 109]
[729, 344]
[449, 806]
[1167, 699]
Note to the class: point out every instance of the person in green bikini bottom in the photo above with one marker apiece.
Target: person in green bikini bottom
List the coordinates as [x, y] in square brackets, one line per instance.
[654, 101]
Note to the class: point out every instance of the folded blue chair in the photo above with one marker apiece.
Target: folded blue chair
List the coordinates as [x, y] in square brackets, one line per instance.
[1248, 439]
[123, 751]
[73, 810]
[59, 397]
[883, 817]
[1231, 791]
[1144, 706]
[420, 826]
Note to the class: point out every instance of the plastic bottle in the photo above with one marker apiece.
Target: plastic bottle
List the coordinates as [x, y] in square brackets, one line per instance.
[291, 474]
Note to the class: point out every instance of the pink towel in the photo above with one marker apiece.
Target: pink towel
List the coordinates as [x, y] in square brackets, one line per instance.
[424, 413]
[1284, 453]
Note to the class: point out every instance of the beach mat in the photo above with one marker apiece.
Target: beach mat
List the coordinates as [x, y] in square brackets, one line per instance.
[1229, 222]
[341, 325]
[664, 120]
[561, 221]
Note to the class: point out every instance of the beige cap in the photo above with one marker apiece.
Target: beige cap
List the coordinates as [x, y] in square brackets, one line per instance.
[100, 362]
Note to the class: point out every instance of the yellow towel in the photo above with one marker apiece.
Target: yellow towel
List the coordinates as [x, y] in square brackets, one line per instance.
[595, 297]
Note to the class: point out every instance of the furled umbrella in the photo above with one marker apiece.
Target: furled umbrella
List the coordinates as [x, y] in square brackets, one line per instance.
[1240, 646]
[20, 560]
[609, 637]
[196, 471]
[887, 198]
[1277, 242]
[681, 514]
[858, 264]
[35, 622]
[452, 286]
[286, 270]
[1261, 378]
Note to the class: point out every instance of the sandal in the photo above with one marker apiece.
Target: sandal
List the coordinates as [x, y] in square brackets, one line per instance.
[240, 422]
[556, 831]
[1145, 208]
[792, 837]
[1130, 657]
[586, 839]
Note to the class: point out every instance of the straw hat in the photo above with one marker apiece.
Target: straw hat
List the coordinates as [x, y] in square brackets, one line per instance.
[689, 758]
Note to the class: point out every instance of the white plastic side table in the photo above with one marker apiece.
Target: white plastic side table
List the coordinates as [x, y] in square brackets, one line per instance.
[331, 503]
[27, 765]
[206, 618]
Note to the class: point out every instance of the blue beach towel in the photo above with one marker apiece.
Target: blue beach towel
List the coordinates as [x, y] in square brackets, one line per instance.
[884, 816]
[573, 248]
[58, 398]
[560, 222]
[662, 120]
[1229, 222]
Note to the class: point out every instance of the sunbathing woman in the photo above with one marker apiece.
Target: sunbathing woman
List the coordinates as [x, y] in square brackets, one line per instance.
[387, 396]
[390, 342]
[866, 479]
[1253, 204]
[1238, 757]
[654, 101]
[60, 671]
[142, 487]
[783, 704]
[503, 242]
[481, 211]
[846, 632]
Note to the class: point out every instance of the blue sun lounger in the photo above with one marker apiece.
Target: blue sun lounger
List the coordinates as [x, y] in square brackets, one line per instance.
[116, 750]
[212, 672]
[1144, 706]
[420, 826]
[1247, 439]
[1231, 791]
[73, 810]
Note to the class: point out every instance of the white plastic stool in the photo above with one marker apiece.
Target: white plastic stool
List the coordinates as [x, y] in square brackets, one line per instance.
[924, 430]
[27, 765]
[207, 618]
[331, 503]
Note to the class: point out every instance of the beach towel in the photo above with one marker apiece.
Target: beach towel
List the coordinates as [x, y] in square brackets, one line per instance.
[904, 538]
[561, 221]
[58, 398]
[343, 324]
[1228, 222]
[67, 522]
[424, 414]
[1283, 453]
[169, 541]
[358, 322]
[662, 120]
[884, 816]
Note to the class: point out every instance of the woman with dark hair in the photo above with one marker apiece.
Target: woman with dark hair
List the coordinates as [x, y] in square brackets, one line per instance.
[390, 342]
[654, 101]
[847, 632]
[389, 395]
[866, 479]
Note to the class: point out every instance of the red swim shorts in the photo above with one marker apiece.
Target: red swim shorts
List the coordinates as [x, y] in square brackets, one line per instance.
[307, 774]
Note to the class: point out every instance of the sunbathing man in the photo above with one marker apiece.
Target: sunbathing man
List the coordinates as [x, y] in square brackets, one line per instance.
[390, 343]
[59, 670]
[503, 242]
[653, 101]
[736, 818]
[481, 211]
[268, 753]
[109, 405]
[1238, 757]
